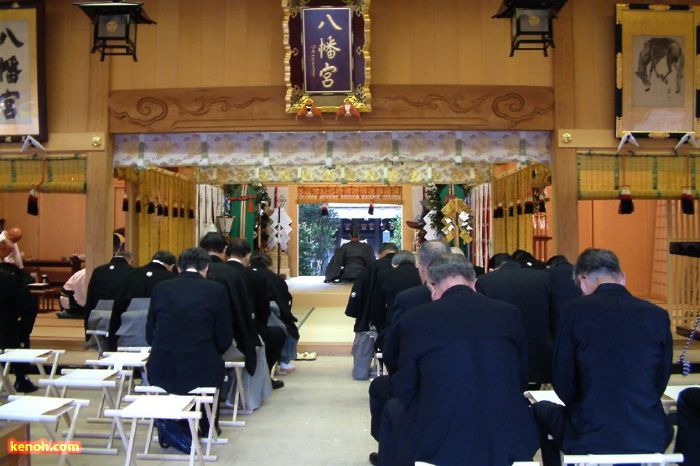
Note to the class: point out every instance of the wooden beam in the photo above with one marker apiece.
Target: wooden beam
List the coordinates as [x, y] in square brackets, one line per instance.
[564, 168]
[100, 193]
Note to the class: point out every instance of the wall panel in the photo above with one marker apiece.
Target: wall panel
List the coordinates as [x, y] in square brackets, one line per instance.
[213, 39]
[631, 237]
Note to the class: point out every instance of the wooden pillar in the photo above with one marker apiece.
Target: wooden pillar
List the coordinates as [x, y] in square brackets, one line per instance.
[564, 164]
[100, 192]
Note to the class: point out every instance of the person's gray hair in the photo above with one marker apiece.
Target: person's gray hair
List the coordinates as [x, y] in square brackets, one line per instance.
[597, 261]
[431, 249]
[450, 265]
[194, 258]
[388, 248]
[403, 257]
[126, 255]
[456, 250]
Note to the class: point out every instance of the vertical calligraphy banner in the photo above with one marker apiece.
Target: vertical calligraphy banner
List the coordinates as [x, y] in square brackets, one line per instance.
[327, 35]
[22, 90]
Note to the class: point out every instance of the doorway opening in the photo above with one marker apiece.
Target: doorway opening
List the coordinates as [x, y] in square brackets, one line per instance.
[323, 227]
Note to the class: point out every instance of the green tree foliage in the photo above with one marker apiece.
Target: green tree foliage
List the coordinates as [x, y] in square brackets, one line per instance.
[317, 236]
[396, 234]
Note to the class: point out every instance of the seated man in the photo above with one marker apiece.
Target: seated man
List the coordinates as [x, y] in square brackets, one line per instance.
[612, 362]
[462, 373]
[688, 435]
[188, 328]
[73, 297]
[349, 260]
[280, 308]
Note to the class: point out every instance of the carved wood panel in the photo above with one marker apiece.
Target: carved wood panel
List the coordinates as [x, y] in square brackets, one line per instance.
[396, 107]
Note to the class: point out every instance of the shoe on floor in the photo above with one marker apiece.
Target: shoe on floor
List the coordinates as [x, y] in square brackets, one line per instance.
[374, 458]
[277, 384]
[310, 356]
[24, 385]
[287, 367]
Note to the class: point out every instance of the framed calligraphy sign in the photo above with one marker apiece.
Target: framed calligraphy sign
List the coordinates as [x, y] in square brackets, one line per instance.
[22, 87]
[327, 54]
[656, 87]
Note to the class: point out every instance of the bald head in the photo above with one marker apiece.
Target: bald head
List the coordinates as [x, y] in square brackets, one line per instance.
[14, 234]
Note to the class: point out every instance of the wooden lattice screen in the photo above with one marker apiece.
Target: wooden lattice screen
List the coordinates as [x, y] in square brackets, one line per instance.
[683, 272]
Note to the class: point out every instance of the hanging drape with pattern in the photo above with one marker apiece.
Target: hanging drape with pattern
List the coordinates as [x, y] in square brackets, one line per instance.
[483, 227]
[166, 220]
[514, 230]
[210, 201]
[355, 194]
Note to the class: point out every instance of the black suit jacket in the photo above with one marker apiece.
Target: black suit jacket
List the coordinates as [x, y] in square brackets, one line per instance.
[359, 303]
[564, 289]
[105, 282]
[278, 291]
[188, 328]
[462, 372]
[257, 293]
[389, 283]
[612, 363]
[138, 284]
[18, 309]
[530, 291]
[389, 340]
[244, 331]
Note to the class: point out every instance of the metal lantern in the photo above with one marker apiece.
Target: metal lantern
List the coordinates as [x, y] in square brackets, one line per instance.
[115, 25]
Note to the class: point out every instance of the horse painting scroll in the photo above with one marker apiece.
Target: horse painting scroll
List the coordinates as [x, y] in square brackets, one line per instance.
[659, 74]
[656, 82]
[654, 51]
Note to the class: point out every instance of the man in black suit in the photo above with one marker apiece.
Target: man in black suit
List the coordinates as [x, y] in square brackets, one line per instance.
[462, 372]
[564, 288]
[188, 328]
[359, 302]
[245, 335]
[530, 291]
[18, 309]
[688, 435]
[139, 283]
[612, 362]
[360, 306]
[401, 276]
[106, 280]
[380, 389]
[279, 296]
[238, 252]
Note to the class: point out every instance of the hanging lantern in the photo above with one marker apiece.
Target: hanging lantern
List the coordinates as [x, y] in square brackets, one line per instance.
[114, 26]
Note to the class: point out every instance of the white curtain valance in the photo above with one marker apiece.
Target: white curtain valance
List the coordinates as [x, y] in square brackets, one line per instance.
[390, 157]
